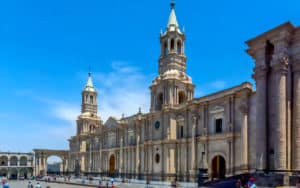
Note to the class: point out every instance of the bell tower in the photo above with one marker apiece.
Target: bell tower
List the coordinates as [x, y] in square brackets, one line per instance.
[89, 97]
[88, 121]
[172, 87]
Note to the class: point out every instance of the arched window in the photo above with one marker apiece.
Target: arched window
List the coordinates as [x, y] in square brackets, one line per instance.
[91, 99]
[13, 161]
[86, 98]
[181, 97]
[165, 49]
[23, 161]
[179, 46]
[172, 44]
[159, 101]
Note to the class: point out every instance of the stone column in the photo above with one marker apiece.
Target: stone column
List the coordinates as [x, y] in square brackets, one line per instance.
[193, 144]
[261, 99]
[280, 119]
[245, 153]
[296, 116]
[137, 153]
[121, 155]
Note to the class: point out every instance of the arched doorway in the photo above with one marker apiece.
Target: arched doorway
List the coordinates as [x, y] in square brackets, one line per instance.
[3, 172]
[13, 172]
[23, 172]
[54, 165]
[112, 165]
[218, 167]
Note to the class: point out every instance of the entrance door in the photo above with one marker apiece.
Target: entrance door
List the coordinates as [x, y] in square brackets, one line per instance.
[218, 167]
[112, 163]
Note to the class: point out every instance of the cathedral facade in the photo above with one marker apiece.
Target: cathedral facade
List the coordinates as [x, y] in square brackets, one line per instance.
[234, 131]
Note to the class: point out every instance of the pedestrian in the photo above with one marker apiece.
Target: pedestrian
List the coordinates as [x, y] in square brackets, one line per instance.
[29, 185]
[238, 184]
[38, 185]
[251, 183]
[6, 185]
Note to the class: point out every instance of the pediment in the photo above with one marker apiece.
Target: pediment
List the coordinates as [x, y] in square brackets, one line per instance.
[217, 109]
[111, 122]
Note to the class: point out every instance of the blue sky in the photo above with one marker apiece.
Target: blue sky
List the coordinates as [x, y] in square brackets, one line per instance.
[46, 48]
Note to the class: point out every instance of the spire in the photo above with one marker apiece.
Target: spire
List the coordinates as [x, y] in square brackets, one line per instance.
[89, 85]
[172, 23]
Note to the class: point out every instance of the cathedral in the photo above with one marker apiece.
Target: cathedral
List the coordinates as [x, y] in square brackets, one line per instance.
[233, 131]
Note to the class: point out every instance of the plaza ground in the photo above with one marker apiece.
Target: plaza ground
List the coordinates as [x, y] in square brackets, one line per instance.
[23, 184]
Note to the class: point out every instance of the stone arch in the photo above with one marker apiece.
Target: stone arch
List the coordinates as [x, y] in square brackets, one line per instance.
[54, 164]
[24, 172]
[13, 161]
[218, 166]
[3, 172]
[23, 161]
[13, 173]
[3, 160]
[41, 156]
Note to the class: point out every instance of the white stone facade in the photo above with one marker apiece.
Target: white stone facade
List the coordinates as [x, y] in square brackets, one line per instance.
[230, 132]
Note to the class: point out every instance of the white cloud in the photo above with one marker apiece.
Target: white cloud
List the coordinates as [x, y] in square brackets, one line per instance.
[123, 90]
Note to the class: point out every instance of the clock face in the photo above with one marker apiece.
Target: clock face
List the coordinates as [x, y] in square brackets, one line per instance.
[157, 124]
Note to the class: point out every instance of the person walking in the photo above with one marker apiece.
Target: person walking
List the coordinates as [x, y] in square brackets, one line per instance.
[251, 183]
[38, 185]
[6, 185]
[30, 185]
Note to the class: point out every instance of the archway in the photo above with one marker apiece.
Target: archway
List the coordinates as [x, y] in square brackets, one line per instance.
[54, 165]
[13, 161]
[23, 172]
[218, 167]
[3, 172]
[3, 161]
[112, 165]
[13, 173]
[23, 161]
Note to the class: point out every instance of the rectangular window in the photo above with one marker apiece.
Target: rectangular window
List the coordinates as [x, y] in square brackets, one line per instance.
[181, 132]
[219, 125]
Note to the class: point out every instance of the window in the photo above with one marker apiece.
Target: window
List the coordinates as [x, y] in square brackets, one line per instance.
[157, 158]
[159, 101]
[181, 96]
[172, 44]
[157, 125]
[165, 49]
[181, 131]
[91, 99]
[219, 125]
[178, 47]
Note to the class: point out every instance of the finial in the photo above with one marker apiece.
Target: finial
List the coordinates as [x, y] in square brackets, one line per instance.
[123, 115]
[140, 110]
[89, 70]
[172, 4]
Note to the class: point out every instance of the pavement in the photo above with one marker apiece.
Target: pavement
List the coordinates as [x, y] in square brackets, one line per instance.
[23, 184]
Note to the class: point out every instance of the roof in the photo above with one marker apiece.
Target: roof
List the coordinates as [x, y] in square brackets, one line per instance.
[173, 23]
[89, 85]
